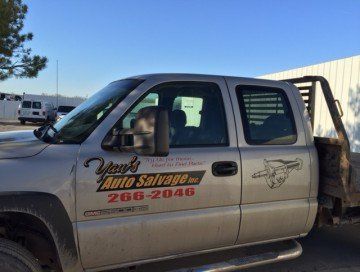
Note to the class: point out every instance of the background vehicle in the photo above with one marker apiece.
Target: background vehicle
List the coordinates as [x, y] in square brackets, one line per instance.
[36, 111]
[241, 167]
[62, 111]
[10, 97]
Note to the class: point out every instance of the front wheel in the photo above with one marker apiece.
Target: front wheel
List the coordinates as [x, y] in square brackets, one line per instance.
[15, 258]
[22, 122]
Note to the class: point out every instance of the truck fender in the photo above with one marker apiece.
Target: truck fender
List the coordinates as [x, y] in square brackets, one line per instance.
[49, 209]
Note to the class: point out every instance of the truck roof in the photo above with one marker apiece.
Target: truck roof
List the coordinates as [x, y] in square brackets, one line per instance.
[174, 76]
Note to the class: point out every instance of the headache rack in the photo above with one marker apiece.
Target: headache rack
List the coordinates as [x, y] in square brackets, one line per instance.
[339, 189]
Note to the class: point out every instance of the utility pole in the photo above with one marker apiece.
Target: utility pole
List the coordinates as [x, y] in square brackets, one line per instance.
[57, 84]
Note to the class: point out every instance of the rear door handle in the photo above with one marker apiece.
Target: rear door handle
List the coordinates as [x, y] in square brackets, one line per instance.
[224, 168]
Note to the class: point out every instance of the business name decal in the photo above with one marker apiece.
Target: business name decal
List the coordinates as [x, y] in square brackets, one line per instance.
[111, 176]
[112, 168]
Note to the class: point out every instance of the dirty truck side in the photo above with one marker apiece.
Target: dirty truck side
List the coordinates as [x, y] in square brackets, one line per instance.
[162, 166]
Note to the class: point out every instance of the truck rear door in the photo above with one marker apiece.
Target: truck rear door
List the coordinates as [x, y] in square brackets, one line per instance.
[275, 160]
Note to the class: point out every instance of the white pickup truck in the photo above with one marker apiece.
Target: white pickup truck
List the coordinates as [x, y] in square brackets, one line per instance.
[162, 166]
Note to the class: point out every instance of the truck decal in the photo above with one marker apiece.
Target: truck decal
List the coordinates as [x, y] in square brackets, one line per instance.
[277, 171]
[150, 180]
[111, 176]
[116, 210]
[155, 194]
[169, 162]
[113, 168]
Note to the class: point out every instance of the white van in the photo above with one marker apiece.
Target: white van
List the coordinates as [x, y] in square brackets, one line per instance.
[36, 111]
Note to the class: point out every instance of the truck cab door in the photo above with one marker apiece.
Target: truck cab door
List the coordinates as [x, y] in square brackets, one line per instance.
[275, 161]
[132, 208]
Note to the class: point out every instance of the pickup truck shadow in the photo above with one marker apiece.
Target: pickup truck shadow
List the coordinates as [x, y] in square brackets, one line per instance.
[325, 249]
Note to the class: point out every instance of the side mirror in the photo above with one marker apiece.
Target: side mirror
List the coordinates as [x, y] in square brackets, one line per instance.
[149, 137]
[151, 132]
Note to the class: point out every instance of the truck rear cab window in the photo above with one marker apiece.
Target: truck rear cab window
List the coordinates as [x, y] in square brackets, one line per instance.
[196, 113]
[267, 116]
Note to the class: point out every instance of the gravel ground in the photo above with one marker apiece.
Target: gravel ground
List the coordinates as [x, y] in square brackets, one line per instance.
[335, 249]
[8, 125]
[326, 250]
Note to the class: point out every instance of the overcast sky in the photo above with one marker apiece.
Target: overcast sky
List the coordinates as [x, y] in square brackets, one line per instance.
[97, 42]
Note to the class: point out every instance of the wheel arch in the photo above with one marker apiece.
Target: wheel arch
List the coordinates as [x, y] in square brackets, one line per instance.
[47, 209]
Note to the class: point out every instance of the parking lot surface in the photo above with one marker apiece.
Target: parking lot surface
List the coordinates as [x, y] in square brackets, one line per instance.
[9, 125]
[327, 249]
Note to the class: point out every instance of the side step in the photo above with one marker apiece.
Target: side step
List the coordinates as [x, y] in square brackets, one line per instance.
[249, 261]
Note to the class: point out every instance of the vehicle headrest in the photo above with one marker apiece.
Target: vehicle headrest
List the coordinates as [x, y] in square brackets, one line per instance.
[178, 118]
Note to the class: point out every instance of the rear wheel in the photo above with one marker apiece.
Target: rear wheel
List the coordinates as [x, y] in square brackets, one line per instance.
[15, 258]
[22, 122]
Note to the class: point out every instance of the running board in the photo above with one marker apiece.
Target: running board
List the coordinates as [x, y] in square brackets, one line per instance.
[249, 261]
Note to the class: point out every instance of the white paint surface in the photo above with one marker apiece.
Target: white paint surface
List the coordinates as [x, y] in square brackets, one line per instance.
[344, 78]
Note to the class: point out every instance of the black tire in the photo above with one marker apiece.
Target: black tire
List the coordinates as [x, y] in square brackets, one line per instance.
[22, 122]
[15, 258]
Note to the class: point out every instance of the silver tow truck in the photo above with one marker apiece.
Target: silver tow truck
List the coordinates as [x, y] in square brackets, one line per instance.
[162, 166]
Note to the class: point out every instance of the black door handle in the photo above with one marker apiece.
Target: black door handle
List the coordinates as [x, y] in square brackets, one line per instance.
[224, 168]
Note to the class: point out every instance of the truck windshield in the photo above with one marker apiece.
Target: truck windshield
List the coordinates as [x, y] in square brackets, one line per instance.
[76, 126]
[66, 109]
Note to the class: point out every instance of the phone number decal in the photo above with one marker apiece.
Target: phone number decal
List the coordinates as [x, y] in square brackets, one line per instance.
[155, 194]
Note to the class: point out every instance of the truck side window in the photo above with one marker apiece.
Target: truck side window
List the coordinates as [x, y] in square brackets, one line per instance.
[267, 116]
[152, 99]
[196, 113]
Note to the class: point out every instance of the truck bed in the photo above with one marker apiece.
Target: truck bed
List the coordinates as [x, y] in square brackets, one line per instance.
[355, 169]
[339, 169]
[339, 176]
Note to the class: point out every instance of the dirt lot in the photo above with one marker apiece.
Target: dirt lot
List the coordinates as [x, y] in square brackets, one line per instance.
[327, 249]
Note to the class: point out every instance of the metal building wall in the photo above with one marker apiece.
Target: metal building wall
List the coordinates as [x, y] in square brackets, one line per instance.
[344, 78]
